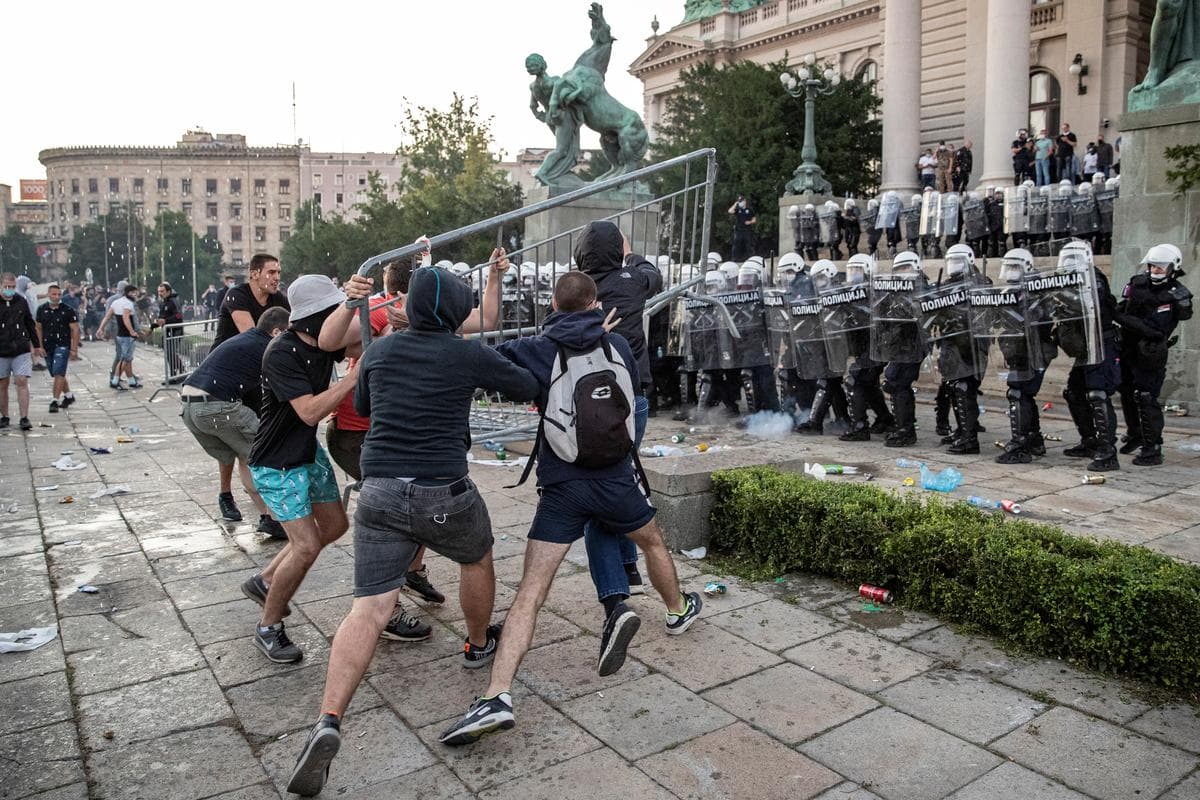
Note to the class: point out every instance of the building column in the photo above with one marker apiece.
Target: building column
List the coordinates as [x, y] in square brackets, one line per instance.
[901, 95]
[1006, 90]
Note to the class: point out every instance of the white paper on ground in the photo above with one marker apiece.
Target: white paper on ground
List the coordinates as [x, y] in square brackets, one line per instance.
[122, 489]
[491, 462]
[24, 641]
[698, 553]
[66, 464]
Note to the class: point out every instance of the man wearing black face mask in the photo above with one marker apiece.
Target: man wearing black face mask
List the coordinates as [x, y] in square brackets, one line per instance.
[291, 471]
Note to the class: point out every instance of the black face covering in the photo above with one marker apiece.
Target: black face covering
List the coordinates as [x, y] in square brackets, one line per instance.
[311, 325]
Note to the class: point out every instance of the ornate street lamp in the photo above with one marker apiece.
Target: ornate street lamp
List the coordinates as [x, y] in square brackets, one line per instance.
[809, 177]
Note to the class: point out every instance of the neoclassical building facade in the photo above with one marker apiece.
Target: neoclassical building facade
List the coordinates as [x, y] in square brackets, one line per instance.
[947, 69]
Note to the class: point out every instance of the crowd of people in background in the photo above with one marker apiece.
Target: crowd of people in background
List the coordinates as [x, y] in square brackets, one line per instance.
[1047, 160]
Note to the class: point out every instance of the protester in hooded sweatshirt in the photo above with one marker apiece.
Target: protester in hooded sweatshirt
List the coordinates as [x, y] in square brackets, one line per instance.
[624, 282]
[18, 340]
[416, 386]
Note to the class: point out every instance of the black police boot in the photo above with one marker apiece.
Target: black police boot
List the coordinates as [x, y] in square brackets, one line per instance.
[885, 420]
[839, 403]
[1105, 459]
[816, 419]
[1151, 420]
[1017, 450]
[966, 405]
[905, 410]
[1132, 439]
[859, 432]
[1081, 415]
[941, 412]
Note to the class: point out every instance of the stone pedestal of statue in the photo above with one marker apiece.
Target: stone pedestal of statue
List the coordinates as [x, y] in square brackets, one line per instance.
[1149, 212]
[637, 220]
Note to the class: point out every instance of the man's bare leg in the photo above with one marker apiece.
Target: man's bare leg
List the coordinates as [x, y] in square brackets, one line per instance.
[247, 484]
[307, 537]
[659, 565]
[541, 562]
[226, 473]
[353, 647]
[477, 595]
[23, 396]
[4, 397]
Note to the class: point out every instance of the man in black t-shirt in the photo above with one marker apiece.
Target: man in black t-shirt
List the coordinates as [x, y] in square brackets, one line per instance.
[1065, 153]
[1021, 157]
[58, 330]
[290, 469]
[744, 220]
[243, 305]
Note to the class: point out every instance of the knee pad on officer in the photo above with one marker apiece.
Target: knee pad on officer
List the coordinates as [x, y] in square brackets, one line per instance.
[963, 387]
[1014, 394]
[1097, 395]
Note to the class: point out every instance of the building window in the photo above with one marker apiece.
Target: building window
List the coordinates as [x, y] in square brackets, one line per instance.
[362, 180]
[285, 210]
[74, 185]
[235, 186]
[139, 186]
[93, 209]
[93, 186]
[75, 210]
[114, 185]
[163, 185]
[285, 233]
[114, 208]
[337, 180]
[235, 233]
[1045, 101]
[260, 233]
[237, 257]
[187, 210]
[338, 198]
[60, 189]
[260, 187]
[210, 210]
[285, 186]
[235, 210]
[211, 232]
[185, 186]
[316, 179]
[260, 210]
[210, 186]
[139, 210]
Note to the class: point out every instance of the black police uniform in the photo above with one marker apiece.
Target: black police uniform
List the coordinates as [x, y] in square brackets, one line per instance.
[1090, 387]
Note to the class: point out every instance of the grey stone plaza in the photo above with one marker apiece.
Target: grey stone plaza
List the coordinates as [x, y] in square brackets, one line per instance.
[789, 689]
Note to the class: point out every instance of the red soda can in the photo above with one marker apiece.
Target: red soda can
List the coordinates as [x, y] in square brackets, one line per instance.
[876, 594]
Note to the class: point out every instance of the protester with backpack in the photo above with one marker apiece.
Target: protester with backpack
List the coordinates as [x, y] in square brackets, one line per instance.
[585, 474]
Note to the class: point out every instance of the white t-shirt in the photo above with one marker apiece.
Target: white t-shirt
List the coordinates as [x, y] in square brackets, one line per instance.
[1090, 160]
[119, 307]
[928, 165]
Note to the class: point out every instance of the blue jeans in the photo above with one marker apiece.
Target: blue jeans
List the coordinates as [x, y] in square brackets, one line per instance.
[1043, 171]
[608, 554]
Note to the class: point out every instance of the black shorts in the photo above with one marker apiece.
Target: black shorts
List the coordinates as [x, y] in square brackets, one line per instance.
[564, 509]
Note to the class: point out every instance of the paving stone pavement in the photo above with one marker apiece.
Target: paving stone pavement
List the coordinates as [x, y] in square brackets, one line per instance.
[153, 690]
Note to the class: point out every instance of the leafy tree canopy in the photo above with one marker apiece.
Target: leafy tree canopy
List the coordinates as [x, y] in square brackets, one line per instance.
[170, 243]
[18, 252]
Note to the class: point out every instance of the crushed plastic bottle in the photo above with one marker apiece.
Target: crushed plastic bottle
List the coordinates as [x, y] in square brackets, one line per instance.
[908, 463]
[947, 480]
[1003, 505]
[1190, 447]
[659, 451]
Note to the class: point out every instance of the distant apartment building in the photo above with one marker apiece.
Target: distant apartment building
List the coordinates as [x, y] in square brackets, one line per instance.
[337, 181]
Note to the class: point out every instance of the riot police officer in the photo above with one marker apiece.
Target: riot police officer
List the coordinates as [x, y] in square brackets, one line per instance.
[850, 231]
[847, 325]
[995, 215]
[946, 319]
[873, 233]
[829, 391]
[1153, 303]
[809, 237]
[829, 222]
[896, 338]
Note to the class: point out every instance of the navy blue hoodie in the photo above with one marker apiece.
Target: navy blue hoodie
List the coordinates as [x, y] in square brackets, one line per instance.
[417, 385]
[579, 330]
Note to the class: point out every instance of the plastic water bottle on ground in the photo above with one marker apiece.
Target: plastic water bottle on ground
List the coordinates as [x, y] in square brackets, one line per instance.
[947, 480]
[908, 463]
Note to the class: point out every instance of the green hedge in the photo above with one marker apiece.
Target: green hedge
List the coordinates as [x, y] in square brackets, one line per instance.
[1110, 606]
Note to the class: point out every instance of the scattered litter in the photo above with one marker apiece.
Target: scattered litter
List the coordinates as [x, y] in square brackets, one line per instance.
[87, 588]
[701, 448]
[908, 463]
[281, 737]
[1092, 480]
[1066, 510]
[815, 471]
[695, 554]
[600, 695]
[67, 464]
[1176, 409]
[1047, 406]
[876, 594]
[999, 444]
[515, 462]
[1052, 438]
[101, 451]
[504, 537]
[1190, 447]
[124, 440]
[713, 589]
[111, 734]
[45, 425]
[1005, 505]
[13, 508]
[111, 491]
[834, 469]
[134, 429]
[26, 640]
[909, 482]
[871, 608]
[491, 446]
[678, 438]
[49, 488]
[947, 480]
[364, 733]
[65, 452]
[779, 579]
[72, 543]
[661, 451]
[66, 500]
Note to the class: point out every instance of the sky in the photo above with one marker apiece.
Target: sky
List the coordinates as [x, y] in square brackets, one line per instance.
[134, 72]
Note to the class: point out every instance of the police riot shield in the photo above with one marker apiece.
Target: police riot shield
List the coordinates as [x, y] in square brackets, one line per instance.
[1058, 223]
[950, 209]
[1064, 299]
[1016, 209]
[703, 346]
[975, 218]
[946, 325]
[750, 349]
[866, 222]
[777, 308]
[516, 306]
[809, 229]
[1104, 209]
[809, 338]
[896, 333]
[889, 211]
[911, 221]
[1000, 320]
[1085, 217]
[1039, 206]
[676, 327]
[846, 323]
[931, 214]
[829, 224]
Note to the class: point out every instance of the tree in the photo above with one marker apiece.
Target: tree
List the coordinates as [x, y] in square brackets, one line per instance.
[758, 132]
[18, 252]
[325, 246]
[173, 238]
[1186, 160]
[114, 233]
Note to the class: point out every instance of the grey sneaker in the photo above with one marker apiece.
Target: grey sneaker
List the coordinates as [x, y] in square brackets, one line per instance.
[417, 584]
[403, 628]
[486, 715]
[256, 590]
[619, 629]
[678, 623]
[275, 644]
[476, 657]
[312, 767]
[272, 527]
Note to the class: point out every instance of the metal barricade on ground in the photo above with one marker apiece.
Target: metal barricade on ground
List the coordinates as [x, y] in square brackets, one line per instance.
[184, 346]
[669, 213]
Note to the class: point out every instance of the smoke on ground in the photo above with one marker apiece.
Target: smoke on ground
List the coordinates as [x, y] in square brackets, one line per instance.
[769, 425]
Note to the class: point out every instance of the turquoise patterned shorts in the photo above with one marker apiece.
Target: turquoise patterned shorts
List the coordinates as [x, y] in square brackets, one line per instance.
[290, 493]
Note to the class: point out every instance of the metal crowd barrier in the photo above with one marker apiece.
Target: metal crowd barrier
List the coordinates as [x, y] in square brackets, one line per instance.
[184, 346]
[669, 213]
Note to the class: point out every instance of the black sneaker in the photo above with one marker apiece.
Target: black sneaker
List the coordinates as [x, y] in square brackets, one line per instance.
[3, 423]
[275, 644]
[256, 590]
[678, 623]
[53, 406]
[403, 628]
[67, 400]
[635, 580]
[25, 424]
[476, 657]
[416, 583]
[312, 767]
[486, 715]
[619, 629]
[229, 509]
[272, 527]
